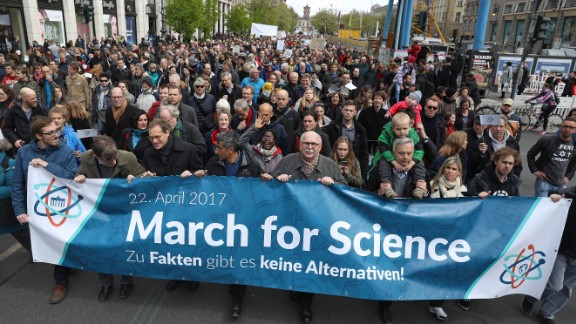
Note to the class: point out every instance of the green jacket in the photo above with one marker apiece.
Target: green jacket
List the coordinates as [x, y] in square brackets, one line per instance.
[386, 139]
[126, 164]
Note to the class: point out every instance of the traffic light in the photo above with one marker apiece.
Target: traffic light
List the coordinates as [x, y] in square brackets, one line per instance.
[422, 19]
[542, 28]
[88, 12]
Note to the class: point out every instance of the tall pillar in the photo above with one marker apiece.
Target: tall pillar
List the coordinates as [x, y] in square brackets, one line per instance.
[121, 17]
[98, 19]
[159, 16]
[408, 23]
[70, 20]
[482, 21]
[141, 20]
[399, 15]
[32, 20]
[388, 22]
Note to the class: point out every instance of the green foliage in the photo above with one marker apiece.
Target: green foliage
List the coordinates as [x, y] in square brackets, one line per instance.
[270, 13]
[238, 19]
[184, 16]
[325, 21]
[210, 14]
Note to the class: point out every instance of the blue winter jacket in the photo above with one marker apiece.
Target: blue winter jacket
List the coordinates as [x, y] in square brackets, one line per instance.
[61, 163]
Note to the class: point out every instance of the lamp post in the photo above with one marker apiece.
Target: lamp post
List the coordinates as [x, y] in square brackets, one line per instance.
[163, 30]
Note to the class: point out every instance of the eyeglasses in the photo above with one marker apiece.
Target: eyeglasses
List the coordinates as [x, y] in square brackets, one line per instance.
[52, 133]
[199, 87]
[246, 94]
[103, 80]
[155, 138]
[309, 144]
[267, 137]
[117, 98]
[432, 107]
[568, 127]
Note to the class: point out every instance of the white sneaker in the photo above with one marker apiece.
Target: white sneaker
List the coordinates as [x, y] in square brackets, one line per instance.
[438, 312]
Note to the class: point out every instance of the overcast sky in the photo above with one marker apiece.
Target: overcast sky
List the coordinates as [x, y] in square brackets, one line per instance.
[344, 6]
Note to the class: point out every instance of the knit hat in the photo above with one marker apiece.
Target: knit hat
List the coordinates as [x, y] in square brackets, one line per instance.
[267, 89]
[412, 59]
[268, 86]
[416, 95]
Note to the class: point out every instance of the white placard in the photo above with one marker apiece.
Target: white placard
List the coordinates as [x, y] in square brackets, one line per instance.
[85, 133]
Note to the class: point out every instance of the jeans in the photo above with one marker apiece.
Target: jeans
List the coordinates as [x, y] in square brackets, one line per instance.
[559, 286]
[544, 188]
[61, 275]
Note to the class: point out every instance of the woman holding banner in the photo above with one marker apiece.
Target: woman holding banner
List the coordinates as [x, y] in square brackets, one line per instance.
[446, 184]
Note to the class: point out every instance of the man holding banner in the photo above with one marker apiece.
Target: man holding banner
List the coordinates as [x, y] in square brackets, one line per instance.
[308, 164]
[45, 151]
[231, 161]
[104, 160]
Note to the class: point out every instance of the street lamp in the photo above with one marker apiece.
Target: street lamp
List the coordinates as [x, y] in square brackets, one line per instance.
[163, 30]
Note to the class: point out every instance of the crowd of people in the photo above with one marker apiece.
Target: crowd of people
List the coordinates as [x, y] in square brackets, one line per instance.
[240, 107]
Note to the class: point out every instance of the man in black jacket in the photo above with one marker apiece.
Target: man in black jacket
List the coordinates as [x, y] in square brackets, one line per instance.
[497, 179]
[231, 161]
[355, 132]
[17, 121]
[556, 162]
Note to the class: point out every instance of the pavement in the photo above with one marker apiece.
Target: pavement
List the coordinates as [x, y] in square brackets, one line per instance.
[25, 289]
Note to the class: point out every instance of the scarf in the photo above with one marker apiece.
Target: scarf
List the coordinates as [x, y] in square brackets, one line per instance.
[137, 135]
[309, 167]
[267, 155]
[449, 189]
[117, 112]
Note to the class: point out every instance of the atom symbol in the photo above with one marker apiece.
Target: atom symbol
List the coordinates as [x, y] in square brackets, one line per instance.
[50, 201]
[519, 271]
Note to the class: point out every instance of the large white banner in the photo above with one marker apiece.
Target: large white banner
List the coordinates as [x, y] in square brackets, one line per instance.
[264, 30]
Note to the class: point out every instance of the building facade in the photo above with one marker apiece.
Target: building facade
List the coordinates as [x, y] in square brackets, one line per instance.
[449, 16]
[508, 18]
[469, 20]
[60, 21]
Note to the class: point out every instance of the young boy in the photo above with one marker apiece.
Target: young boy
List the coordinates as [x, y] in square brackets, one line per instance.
[400, 127]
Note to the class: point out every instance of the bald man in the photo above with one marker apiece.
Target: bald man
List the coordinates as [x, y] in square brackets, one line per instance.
[264, 122]
[17, 121]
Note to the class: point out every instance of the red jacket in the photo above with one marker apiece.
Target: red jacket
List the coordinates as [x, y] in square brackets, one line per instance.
[403, 105]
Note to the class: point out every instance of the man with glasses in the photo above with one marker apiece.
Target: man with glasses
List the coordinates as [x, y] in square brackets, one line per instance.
[248, 96]
[118, 115]
[432, 130]
[104, 160]
[17, 121]
[204, 104]
[308, 164]
[556, 161]
[44, 151]
[101, 100]
[181, 128]
[493, 139]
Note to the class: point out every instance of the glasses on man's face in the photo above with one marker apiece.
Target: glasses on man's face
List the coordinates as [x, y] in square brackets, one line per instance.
[103, 80]
[117, 98]
[310, 144]
[432, 107]
[155, 138]
[199, 87]
[55, 132]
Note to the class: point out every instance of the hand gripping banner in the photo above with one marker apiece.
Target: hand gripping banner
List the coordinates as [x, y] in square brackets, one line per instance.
[301, 236]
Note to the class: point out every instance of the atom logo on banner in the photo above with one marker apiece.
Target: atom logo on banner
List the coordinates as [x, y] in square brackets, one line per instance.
[525, 263]
[58, 201]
